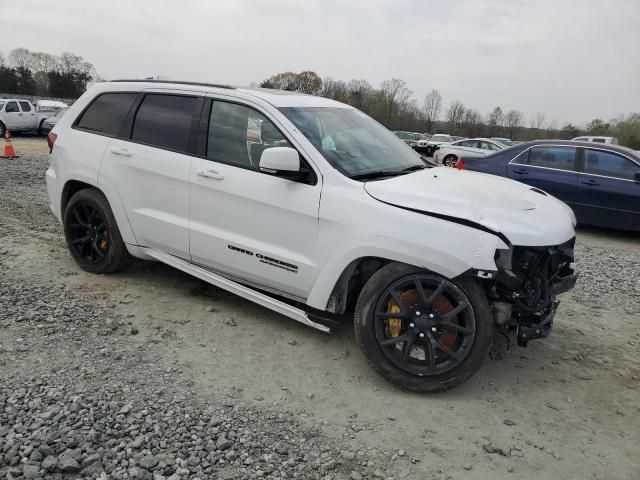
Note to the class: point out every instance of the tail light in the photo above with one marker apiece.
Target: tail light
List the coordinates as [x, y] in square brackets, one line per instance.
[459, 164]
[51, 140]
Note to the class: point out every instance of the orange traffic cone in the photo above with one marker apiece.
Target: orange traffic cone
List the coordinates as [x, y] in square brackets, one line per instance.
[9, 151]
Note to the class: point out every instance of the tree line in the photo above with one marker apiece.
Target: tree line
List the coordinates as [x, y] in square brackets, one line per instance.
[40, 73]
[393, 105]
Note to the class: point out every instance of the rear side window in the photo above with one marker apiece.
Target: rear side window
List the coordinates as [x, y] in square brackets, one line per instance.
[609, 165]
[106, 114]
[599, 140]
[561, 158]
[26, 106]
[12, 107]
[164, 121]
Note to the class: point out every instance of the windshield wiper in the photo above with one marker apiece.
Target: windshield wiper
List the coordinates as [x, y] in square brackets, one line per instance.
[413, 168]
[387, 173]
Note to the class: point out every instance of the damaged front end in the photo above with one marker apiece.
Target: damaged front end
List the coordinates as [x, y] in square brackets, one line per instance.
[524, 289]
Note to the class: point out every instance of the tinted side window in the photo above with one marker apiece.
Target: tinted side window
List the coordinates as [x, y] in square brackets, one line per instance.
[599, 140]
[522, 159]
[609, 165]
[106, 114]
[26, 106]
[562, 158]
[165, 121]
[238, 135]
[12, 107]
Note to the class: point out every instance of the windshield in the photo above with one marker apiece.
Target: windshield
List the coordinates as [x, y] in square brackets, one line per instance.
[352, 141]
[441, 138]
[2, 105]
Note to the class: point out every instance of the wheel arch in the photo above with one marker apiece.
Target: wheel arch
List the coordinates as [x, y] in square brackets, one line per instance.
[344, 276]
[72, 186]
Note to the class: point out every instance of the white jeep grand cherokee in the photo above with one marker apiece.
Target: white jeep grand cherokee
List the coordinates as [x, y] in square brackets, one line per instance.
[311, 208]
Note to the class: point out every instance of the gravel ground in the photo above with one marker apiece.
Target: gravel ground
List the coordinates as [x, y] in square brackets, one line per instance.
[153, 374]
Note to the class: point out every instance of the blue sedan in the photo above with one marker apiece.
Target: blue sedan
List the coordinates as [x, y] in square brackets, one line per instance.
[601, 183]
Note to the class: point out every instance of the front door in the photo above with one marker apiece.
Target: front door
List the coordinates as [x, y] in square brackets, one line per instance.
[250, 225]
[609, 190]
[13, 116]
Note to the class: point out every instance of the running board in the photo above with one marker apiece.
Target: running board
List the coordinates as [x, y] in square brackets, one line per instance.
[237, 289]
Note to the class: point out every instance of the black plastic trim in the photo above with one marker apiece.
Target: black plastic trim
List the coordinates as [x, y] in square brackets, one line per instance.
[449, 218]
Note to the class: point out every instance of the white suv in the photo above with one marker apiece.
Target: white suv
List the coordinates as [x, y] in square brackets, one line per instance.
[309, 207]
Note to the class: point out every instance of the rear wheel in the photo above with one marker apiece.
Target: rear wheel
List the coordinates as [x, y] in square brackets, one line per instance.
[450, 161]
[2, 129]
[92, 234]
[420, 330]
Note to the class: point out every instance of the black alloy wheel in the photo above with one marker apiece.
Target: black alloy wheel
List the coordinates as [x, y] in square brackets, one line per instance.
[436, 322]
[423, 331]
[87, 233]
[92, 233]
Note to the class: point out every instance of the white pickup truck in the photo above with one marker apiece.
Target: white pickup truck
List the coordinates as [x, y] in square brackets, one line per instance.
[19, 115]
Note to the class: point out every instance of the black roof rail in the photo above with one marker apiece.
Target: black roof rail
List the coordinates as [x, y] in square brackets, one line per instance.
[199, 84]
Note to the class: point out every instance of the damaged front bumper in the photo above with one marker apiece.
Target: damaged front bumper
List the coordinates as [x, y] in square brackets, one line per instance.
[526, 285]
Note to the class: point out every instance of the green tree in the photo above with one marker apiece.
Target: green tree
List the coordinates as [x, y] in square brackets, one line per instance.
[597, 126]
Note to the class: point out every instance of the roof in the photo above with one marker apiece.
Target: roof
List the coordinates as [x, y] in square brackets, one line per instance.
[603, 146]
[277, 98]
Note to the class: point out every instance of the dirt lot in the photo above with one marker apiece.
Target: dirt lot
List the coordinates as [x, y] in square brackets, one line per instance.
[567, 407]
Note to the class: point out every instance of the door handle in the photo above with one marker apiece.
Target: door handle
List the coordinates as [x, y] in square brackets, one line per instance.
[521, 171]
[591, 183]
[211, 174]
[123, 152]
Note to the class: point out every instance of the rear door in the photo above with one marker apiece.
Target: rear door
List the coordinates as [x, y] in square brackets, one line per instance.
[551, 168]
[609, 189]
[254, 226]
[151, 167]
[13, 116]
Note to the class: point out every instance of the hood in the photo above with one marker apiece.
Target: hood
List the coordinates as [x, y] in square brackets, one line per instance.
[523, 214]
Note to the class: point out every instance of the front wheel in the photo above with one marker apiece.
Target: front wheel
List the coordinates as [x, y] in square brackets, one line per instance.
[450, 161]
[92, 234]
[421, 331]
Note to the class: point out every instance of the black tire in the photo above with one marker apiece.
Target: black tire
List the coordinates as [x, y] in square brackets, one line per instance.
[40, 131]
[2, 130]
[474, 355]
[450, 161]
[94, 240]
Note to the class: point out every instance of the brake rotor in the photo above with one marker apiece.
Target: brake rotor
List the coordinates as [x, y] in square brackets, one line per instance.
[441, 304]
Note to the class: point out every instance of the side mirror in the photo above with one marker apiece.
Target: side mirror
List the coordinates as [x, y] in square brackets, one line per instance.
[283, 161]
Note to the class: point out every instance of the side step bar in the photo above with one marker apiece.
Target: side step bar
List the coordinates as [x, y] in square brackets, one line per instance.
[237, 289]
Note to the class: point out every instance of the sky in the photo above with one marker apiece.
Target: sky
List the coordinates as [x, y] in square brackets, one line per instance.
[573, 60]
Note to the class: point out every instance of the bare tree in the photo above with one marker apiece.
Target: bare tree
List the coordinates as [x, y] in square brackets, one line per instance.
[431, 109]
[41, 64]
[454, 116]
[20, 58]
[494, 121]
[334, 89]
[308, 82]
[471, 122]
[360, 92]
[2, 60]
[396, 92]
[513, 120]
[535, 122]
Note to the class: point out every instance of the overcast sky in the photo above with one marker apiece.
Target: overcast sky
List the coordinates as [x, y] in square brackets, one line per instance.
[573, 60]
